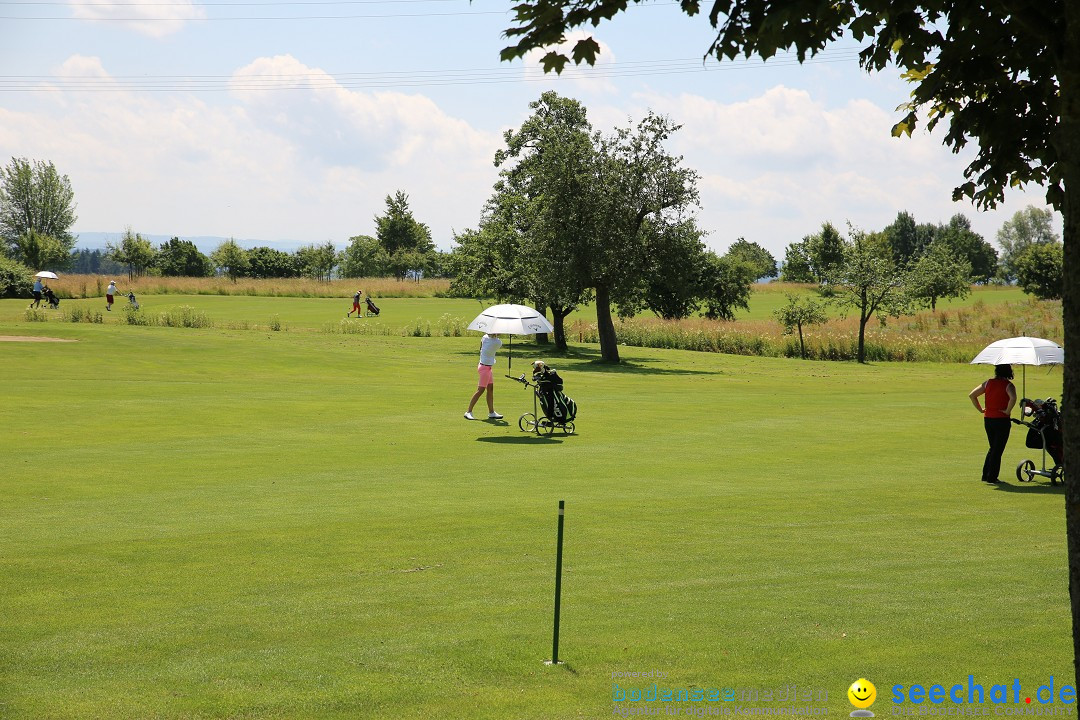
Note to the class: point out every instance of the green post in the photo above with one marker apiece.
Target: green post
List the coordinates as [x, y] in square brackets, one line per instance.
[558, 587]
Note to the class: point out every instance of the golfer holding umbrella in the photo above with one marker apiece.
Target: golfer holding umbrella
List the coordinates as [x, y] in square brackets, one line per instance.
[508, 319]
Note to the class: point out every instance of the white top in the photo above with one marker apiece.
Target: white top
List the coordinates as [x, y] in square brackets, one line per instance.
[488, 346]
[111, 290]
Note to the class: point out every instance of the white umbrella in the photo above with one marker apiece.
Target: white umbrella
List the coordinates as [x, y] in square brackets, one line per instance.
[47, 274]
[511, 320]
[1021, 351]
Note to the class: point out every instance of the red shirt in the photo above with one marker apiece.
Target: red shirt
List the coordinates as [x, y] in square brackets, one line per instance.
[997, 398]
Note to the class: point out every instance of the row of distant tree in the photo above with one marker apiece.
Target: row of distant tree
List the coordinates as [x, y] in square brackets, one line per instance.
[37, 212]
[401, 246]
[942, 259]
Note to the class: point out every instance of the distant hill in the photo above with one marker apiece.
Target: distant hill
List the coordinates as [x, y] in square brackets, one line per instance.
[205, 243]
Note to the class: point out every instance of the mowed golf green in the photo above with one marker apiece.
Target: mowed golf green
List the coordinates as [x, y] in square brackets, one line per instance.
[219, 523]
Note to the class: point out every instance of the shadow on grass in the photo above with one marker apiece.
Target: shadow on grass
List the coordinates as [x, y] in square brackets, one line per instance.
[530, 439]
[589, 359]
[1030, 488]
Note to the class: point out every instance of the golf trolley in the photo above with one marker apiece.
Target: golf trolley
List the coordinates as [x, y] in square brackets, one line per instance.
[553, 404]
[1043, 432]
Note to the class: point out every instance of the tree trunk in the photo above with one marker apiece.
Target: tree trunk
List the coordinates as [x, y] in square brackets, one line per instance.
[802, 345]
[605, 327]
[1067, 140]
[863, 319]
[542, 338]
[558, 316]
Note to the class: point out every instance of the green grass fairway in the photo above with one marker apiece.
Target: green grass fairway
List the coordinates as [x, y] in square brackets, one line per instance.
[250, 524]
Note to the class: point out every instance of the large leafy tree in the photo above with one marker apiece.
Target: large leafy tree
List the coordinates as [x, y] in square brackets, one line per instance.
[799, 312]
[636, 181]
[1002, 73]
[268, 262]
[676, 273]
[543, 207]
[869, 282]
[317, 261]
[34, 197]
[906, 238]
[754, 255]
[969, 245]
[180, 258]
[826, 251]
[231, 259]
[1039, 270]
[41, 251]
[362, 257]
[725, 286]
[796, 266]
[1027, 227]
[403, 235]
[134, 251]
[938, 273]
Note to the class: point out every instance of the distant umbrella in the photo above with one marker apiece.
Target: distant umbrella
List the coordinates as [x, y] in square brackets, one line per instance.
[47, 274]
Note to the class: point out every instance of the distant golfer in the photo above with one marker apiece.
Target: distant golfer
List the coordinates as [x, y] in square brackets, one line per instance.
[488, 345]
[356, 305]
[110, 294]
[1000, 398]
[37, 293]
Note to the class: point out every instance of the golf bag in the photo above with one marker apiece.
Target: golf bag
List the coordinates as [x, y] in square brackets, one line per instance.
[54, 302]
[1044, 427]
[133, 301]
[372, 308]
[557, 407]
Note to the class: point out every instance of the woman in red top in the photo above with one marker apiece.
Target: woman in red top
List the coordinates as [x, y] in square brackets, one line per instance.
[1000, 398]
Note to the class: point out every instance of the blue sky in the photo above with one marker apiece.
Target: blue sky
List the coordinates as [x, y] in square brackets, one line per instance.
[181, 118]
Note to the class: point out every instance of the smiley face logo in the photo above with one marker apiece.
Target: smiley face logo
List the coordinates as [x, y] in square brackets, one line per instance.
[862, 693]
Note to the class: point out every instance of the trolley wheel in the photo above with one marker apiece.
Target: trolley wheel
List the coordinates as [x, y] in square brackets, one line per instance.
[527, 422]
[1057, 475]
[1027, 467]
[568, 428]
[545, 426]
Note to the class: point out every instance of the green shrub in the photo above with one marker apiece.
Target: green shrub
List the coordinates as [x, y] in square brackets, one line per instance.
[36, 315]
[15, 279]
[451, 326]
[82, 314]
[182, 316]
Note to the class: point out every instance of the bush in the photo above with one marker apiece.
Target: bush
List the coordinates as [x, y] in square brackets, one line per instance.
[183, 316]
[15, 279]
[35, 315]
[82, 314]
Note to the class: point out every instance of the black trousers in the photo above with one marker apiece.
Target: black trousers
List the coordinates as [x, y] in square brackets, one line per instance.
[997, 434]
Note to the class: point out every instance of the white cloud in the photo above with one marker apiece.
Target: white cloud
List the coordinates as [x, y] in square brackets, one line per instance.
[148, 17]
[304, 165]
[775, 166]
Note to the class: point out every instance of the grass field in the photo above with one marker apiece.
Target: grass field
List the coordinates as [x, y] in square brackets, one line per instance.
[219, 523]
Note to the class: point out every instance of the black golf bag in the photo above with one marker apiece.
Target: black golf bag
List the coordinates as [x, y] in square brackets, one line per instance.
[372, 307]
[54, 302]
[557, 407]
[1044, 427]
